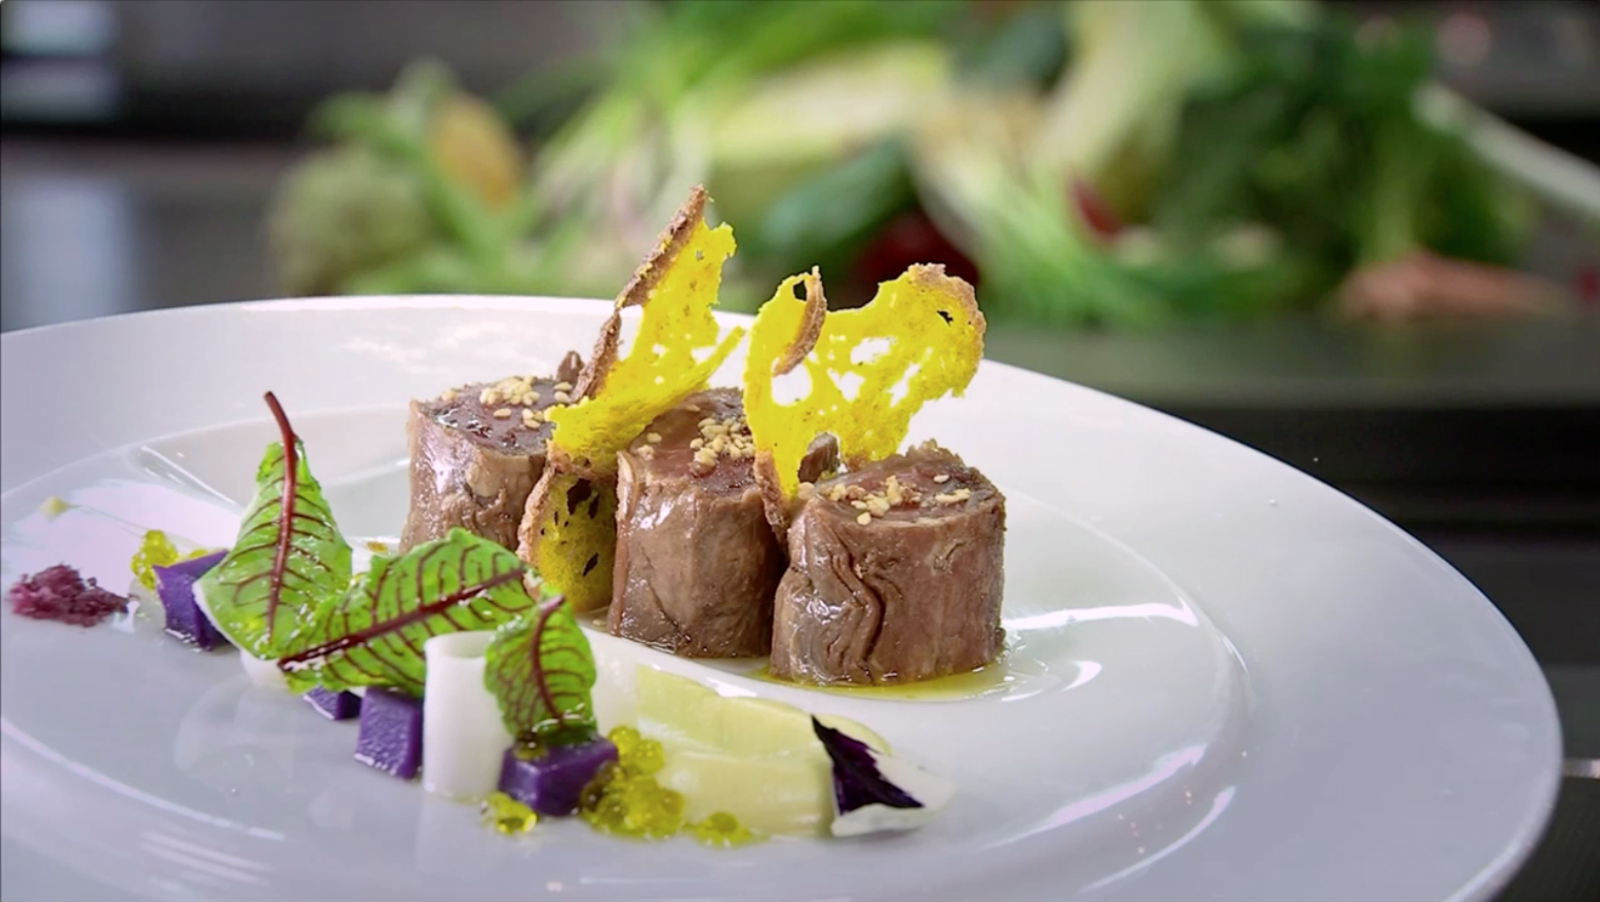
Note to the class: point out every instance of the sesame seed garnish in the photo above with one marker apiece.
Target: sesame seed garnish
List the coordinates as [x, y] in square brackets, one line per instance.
[955, 497]
[864, 519]
[563, 386]
[503, 413]
[514, 390]
[807, 491]
[728, 438]
[875, 504]
[562, 397]
[892, 491]
[448, 394]
[647, 452]
[942, 478]
[653, 438]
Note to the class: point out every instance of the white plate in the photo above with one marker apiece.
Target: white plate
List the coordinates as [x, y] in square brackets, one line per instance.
[1228, 681]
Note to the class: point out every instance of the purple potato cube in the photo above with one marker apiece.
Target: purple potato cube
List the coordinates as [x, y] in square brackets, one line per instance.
[334, 705]
[391, 733]
[175, 588]
[551, 781]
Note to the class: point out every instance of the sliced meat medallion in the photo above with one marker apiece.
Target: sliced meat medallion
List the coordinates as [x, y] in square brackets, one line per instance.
[895, 574]
[476, 453]
[697, 563]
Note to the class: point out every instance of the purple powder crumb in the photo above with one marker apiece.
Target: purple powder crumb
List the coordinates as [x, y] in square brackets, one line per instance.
[59, 593]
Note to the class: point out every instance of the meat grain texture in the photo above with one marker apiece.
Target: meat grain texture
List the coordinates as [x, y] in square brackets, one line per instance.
[697, 564]
[472, 469]
[893, 593]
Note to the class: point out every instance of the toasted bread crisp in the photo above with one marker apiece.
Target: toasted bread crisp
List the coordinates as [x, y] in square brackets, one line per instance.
[933, 330]
[568, 532]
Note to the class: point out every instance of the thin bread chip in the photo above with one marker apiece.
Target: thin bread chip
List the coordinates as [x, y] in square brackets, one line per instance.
[933, 330]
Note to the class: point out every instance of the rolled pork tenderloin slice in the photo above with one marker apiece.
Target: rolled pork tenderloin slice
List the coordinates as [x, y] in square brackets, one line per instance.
[895, 574]
[697, 564]
[476, 453]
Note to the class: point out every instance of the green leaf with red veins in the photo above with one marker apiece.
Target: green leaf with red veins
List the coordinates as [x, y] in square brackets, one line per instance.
[373, 635]
[288, 559]
[539, 667]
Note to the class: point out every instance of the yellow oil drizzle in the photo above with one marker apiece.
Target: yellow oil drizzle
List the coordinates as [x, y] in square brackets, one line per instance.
[987, 680]
[990, 679]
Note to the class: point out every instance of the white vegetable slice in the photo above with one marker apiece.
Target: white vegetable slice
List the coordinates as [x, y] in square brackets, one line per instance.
[463, 737]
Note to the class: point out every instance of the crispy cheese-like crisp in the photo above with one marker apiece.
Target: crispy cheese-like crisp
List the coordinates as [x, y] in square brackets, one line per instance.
[569, 532]
[934, 334]
[673, 355]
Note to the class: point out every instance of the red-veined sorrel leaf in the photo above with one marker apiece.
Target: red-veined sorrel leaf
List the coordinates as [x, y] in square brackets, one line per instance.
[373, 635]
[540, 668]
[289, 557]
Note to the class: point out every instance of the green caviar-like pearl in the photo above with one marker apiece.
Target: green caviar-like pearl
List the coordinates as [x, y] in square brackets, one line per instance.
[507, 815]
[625, 739]
[623, 802]
[647, 758]
[156, 550]
[723, 830]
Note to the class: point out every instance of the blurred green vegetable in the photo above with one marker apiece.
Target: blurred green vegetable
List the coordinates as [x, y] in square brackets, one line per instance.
[1100, 161]
[343, 211]
[422, 192]
[1269, 153]
[1315, 132]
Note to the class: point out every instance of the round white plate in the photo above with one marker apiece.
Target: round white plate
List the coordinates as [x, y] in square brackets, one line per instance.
[1225, 680]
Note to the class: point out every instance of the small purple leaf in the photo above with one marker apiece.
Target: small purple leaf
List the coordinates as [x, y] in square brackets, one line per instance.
[857, 782]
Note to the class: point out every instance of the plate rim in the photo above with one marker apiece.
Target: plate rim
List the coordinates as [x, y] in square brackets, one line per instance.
[1489, 880]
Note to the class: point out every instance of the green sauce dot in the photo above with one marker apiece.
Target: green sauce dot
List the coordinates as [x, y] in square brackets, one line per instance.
[507, 815]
